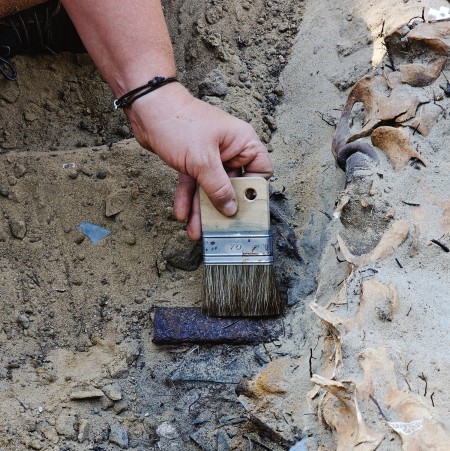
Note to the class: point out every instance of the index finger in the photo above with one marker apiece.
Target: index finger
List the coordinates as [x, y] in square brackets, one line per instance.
[254, 159]
[261, 166]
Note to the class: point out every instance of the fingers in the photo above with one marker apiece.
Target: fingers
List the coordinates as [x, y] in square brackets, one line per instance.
[194, 226]
[183, 196]
[234, 172]
[260, 165]
[252, 155]
[217, 186]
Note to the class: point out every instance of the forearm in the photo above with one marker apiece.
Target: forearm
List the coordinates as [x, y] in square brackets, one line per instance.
[128, 40]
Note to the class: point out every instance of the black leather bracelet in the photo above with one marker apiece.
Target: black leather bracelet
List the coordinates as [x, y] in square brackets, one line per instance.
[128, 98]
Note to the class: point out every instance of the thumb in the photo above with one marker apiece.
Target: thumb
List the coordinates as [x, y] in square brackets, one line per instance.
[217, 186]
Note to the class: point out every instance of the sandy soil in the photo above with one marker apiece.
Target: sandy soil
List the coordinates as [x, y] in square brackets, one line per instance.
[78, 368]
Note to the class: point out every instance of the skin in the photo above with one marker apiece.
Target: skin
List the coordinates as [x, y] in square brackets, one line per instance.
[130, 44]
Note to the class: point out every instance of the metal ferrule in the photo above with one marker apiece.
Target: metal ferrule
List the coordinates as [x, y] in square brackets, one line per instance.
[237, 248]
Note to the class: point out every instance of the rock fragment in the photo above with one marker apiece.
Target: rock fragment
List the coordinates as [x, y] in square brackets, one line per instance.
[119, 407]
[84, 429]
[19, 170]
[119, 436]
[129, 238]
[118, 368]
[167, 430]
[65, 425]
[24, 321]
[113, 392]
[78, 237]
[35, 444]
[115, 202]
[182, 253]
[426, 118]
[18, 228]
[89, 393]
[213, 85]
[4, 191]
[132, 350]
[50, 434]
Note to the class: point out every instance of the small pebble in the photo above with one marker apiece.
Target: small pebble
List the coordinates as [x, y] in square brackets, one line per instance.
[30, 117]
[113, 392]
[279, 91]
[4, 191]
[23, 321]
[167, 430]
[243, 77]
[36, 444]
[119, 407]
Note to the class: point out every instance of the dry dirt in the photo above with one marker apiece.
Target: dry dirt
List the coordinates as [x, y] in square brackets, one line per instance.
[78, 369]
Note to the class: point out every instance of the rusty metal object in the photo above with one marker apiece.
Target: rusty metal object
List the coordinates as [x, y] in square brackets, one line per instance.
[189, 325]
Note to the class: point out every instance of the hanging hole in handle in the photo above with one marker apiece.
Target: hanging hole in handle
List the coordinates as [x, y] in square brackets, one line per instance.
[250, 194]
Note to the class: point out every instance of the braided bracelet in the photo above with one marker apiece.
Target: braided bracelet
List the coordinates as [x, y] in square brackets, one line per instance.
[127, 99]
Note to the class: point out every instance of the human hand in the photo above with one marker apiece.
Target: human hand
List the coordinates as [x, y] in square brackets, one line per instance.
[203, 143]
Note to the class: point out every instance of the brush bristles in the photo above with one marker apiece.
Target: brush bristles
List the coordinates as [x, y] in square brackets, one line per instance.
[240, 290]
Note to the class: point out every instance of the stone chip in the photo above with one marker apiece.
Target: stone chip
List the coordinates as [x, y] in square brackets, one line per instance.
[89, 393]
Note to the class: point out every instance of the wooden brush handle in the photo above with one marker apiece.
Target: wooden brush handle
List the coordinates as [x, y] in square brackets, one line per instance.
[253, 208]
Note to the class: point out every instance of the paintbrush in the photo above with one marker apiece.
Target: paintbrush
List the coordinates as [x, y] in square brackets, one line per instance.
[239, 277]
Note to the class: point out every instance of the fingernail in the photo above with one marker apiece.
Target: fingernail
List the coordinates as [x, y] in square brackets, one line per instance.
[230, 208]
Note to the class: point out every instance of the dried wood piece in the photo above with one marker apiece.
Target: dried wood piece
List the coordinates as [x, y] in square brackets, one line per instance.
[436, 36]
[417, 56]
[332, 345]
[396, 144]
[426, 118]
[414, 42]
[421, 74]
[340, 411]
[379, 101]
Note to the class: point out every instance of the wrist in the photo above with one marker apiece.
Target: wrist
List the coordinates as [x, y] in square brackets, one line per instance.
[137, 75]
[152, 85]
[146, 112]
